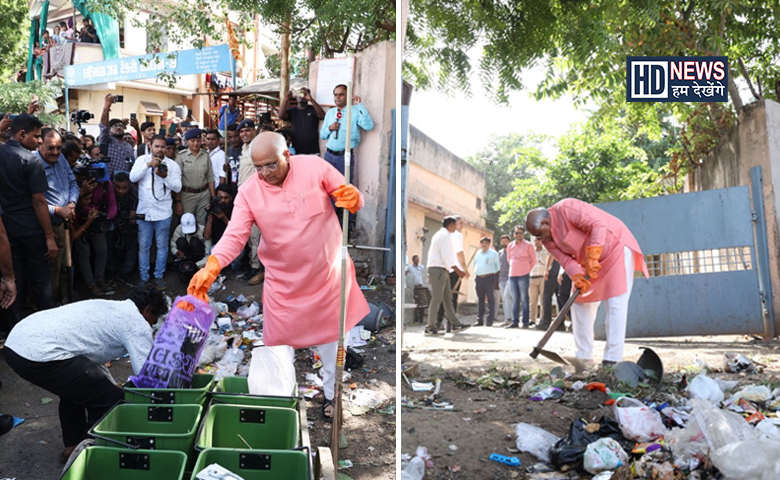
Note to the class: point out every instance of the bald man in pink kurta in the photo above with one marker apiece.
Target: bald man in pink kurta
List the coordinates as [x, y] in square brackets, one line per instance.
[573, 226]
[301, 250]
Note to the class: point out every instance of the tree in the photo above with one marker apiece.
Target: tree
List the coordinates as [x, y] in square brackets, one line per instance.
[583, 46]
[13, 28]
[14, 98]
[505, 160]
[327, 27]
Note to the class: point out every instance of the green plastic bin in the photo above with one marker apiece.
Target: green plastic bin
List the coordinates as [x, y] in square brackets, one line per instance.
[263, 428]
[257, 464]
[235, 391]
[100, 463]
[152, 427]
[195, 395]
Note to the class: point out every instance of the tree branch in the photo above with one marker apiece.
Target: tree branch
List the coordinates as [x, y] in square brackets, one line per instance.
[756, 95]
[689, 10]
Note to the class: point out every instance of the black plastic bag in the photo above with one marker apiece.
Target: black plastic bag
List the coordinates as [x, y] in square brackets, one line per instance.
[570, 450]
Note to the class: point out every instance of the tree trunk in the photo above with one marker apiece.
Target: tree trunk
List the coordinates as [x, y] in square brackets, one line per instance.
[284, 74]
[734, 94]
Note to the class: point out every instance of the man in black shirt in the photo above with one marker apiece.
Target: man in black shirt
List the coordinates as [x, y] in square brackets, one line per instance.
[88, 33]
[123, 240]
[305, 119]
[23, 186]
[233, 156]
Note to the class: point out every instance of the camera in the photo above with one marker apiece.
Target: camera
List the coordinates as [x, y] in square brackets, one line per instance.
[215, 205]
[118, 98]
[162, 167]
[101, 224]
[132, 116]
[81, 116]
[93, 170]
[124, 220]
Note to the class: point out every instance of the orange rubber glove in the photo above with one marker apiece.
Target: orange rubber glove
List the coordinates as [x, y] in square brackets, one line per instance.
[347, 196]
[581, 282]
[202, 280]
[592, 265]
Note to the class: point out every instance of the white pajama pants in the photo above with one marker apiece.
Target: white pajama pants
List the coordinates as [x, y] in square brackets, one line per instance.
[584, 316]
[327, 354]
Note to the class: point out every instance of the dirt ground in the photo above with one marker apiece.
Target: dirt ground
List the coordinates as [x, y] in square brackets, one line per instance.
[30, 451]
[483, 370]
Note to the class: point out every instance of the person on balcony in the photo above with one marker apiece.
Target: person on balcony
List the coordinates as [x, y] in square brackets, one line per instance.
[88, 33]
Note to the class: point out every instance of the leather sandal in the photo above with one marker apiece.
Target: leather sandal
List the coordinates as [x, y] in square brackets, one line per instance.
[325, 416]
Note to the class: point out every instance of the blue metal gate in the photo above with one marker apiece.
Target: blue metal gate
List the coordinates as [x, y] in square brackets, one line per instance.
[701, 252]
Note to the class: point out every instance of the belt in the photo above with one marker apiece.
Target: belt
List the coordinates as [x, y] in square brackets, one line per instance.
[194, 190]
[488, 275]
[334, 152]
[538, 276]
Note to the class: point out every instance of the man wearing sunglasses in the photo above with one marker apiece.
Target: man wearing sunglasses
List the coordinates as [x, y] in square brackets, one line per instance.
[289, 200]
[601, 255]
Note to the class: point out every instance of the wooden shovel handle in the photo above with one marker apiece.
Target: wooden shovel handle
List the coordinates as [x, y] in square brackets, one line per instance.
[554, 326]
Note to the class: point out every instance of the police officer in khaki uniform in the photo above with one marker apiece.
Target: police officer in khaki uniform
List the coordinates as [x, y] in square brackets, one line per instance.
[197, 179]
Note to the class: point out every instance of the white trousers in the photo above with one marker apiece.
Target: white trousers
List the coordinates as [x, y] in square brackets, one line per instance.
[327, 354]
[584, 316]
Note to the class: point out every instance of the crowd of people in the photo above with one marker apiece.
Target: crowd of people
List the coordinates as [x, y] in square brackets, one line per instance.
[100, 209]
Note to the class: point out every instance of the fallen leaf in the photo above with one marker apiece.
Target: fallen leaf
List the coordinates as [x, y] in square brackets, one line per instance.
[46, 400]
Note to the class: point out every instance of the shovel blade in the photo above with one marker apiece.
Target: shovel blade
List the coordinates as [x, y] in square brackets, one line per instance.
[550, 356]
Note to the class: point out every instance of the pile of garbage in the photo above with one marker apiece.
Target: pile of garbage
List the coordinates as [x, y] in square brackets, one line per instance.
[705, 428]
[237, 329]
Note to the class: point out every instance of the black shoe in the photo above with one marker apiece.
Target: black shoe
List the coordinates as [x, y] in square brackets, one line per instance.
[6, 424]
[479, 324]
[431, 331]
[489, 324]
[460, 328]
[526, 327]
[512, 325]
[449, 328]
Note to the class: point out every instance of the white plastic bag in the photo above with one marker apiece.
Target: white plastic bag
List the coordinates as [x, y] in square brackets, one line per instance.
[272, 371]
[753, 393]
[604, 454]
[705, 388]
[749, 460]
[534, 440]
[216, 472]
[415, 470]
[637, 421]
[229, 364]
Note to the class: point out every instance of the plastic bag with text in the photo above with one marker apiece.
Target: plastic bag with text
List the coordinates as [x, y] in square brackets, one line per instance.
[177, 347]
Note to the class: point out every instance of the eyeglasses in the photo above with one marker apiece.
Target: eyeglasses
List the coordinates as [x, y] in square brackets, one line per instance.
[271, 167]
[519, 233]
[118, 125]
[53, 149]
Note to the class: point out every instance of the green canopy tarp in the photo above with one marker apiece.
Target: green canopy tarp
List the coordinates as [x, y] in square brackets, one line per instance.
[30, 57]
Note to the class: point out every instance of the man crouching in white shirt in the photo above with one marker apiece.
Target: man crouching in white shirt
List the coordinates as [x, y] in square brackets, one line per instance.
[64, 350]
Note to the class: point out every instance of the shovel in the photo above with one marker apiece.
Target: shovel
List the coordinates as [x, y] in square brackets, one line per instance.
[551, 329]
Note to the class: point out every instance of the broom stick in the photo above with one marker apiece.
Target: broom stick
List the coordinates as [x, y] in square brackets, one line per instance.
[338, 417]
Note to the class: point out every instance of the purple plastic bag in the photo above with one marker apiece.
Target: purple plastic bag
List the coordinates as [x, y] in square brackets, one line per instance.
[177, 347]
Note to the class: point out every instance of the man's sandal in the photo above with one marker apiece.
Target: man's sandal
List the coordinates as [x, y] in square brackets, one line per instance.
[325, 416]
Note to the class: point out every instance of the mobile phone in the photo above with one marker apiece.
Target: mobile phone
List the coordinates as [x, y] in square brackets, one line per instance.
[118, 98]
[34, 98]
[132, 116]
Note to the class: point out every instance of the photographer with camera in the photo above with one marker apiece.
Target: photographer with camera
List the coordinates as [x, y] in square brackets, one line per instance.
[102, 201]
[62, 196]
[219, 211]
[157, 178]
[188, 246]
[123, 239]
[111, 139]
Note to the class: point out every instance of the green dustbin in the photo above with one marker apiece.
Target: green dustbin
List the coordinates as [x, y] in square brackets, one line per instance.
[152, 427]
[100, 463]
[235, 391]
[257, 464]
[195, 395]
[262, 428]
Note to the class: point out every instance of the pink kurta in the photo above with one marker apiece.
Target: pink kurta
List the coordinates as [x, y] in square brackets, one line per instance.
[300, 248]
[576, 225]
[521, 257]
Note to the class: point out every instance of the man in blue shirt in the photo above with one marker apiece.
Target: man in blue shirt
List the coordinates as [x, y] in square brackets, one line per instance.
[61, 197]
[228, 114]
[334, 128]
[486, 266]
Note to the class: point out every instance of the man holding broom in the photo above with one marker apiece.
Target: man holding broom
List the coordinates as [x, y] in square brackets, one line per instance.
[289, 200]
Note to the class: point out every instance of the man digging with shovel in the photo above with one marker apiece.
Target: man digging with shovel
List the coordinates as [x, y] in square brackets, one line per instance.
[601, 255]
[300, 246]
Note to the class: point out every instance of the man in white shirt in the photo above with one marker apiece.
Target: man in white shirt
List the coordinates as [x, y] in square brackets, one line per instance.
[442, 261]
[422, 296]
[157, 177]
[213, 140]
[64, 350]
[457, 248]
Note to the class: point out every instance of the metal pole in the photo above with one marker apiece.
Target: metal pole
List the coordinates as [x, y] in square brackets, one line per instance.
[67, 107]
[762, 253]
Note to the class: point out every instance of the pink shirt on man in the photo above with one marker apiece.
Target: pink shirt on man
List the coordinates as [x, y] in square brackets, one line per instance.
[522, 258]
[576, 225]
[300, 247]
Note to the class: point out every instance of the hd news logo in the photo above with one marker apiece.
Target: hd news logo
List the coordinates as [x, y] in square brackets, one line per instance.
[677, 79]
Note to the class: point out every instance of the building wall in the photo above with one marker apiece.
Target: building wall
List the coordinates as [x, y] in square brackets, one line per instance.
[374, 82]
[754, 141]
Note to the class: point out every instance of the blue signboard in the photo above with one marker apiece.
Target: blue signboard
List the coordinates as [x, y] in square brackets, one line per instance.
[677, 79]
[179, 63]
